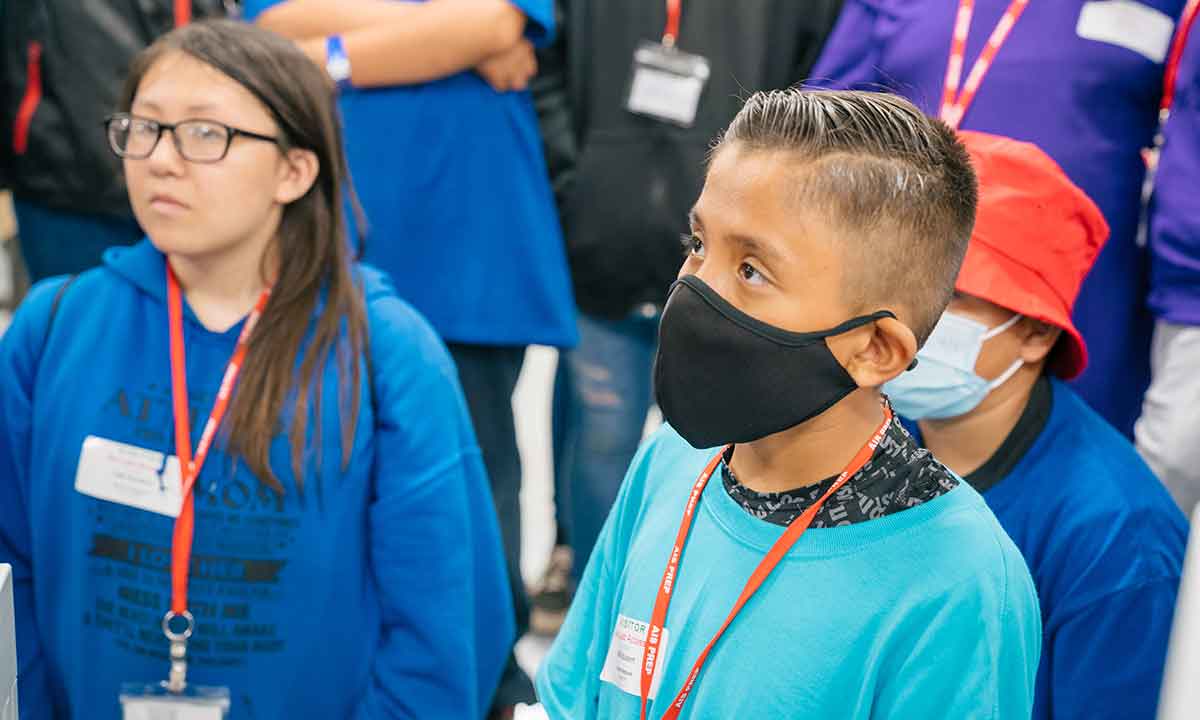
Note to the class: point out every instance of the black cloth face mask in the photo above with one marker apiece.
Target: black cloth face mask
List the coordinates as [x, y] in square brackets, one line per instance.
[722, 376]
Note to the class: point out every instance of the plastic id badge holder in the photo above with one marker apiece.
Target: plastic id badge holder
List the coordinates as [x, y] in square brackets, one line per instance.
[155, 702]
[666, 83]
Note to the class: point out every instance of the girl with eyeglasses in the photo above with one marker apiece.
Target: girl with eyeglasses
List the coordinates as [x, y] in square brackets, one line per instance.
[237, 473]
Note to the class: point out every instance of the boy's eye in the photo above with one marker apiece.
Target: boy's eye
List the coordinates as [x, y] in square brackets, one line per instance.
[692, 245]
[751, 274]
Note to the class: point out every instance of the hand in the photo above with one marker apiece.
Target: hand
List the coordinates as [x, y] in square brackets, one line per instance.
[511, 69]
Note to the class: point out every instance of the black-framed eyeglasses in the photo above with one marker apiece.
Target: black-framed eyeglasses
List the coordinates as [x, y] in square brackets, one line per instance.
[200, 141]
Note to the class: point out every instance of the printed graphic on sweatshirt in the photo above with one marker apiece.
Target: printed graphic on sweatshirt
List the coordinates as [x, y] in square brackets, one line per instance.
[244, 532]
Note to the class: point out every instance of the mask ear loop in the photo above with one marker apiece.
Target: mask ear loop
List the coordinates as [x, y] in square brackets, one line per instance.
[1006, 375]
[1017, 365]
[1001, 328]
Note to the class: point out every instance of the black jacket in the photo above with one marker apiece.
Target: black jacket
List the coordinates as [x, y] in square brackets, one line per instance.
[62, 66]
[625, 183]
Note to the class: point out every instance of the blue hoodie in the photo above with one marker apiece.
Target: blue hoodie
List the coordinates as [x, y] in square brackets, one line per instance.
[377, 591]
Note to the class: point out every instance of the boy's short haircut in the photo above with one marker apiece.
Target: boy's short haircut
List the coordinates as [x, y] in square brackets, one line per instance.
[896, 185]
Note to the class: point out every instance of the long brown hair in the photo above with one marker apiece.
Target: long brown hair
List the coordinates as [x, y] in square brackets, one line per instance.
[316, 262]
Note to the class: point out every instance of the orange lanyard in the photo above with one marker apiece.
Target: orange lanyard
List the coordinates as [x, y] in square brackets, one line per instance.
[189, 466]
[671, 31]
[955, 101]
[183, 12]
[650, 653]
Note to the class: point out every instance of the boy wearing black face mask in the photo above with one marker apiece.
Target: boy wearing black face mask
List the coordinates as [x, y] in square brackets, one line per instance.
[824, 248]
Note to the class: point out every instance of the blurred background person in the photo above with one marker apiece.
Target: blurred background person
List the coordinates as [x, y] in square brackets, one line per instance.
[1168, 430]
[642, 90]
[1082, 81]
[444, 150]
[63, 63]
[1101, 536]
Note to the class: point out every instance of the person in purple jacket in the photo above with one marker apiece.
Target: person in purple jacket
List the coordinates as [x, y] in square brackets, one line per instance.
[1167, 429]
[1081, 80]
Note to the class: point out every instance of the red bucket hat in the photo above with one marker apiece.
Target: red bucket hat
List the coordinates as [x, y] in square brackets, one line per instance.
[1036, 237]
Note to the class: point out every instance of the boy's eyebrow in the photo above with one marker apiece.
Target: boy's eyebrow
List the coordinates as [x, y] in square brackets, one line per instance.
[762, 250]
[749, 245]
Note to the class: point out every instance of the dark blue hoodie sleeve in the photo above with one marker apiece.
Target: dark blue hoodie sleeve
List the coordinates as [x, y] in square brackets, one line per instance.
[435, 545]
[20, 354]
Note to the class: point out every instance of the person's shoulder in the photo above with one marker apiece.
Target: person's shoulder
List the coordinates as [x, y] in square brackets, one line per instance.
[1090, 516]
[951, 569]
[45, 293]
[665, 452]
[1101, 521]
[953, 546]
[961, 520]
[398, 332]
[663, 462]
[47, 299]
[408, 362]
[1083, 463]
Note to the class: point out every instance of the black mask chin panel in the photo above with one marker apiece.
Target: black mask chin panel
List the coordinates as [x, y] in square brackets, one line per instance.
[722, 376]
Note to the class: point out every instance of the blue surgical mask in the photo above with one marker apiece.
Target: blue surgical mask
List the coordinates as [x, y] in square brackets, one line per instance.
[944, 383]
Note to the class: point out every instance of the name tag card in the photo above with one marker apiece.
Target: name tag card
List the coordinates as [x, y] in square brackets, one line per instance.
[667, 83]
[130, 475]
[623, 665]
[153, 702]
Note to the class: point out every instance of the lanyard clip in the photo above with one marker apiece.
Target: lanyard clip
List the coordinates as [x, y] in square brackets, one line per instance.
[177, 677]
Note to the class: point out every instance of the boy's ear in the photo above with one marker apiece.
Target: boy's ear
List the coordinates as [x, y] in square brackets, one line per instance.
[876, 353]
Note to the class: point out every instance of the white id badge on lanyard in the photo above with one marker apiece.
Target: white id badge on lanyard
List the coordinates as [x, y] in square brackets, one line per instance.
[129, 475]
[666, 83]
[154, 702]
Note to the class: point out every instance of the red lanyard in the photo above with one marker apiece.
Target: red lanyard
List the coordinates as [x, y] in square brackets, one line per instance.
[1151, 154]
[189, 466]
[1181, 34]
[662, 602]
[954, 101]
[671, 31]
[183, 12]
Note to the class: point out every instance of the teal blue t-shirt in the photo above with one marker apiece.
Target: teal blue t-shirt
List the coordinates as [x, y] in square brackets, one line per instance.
[926, 613]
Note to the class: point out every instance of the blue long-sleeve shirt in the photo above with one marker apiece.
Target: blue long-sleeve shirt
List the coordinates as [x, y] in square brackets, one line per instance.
[1105, 543]
[376, 591]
